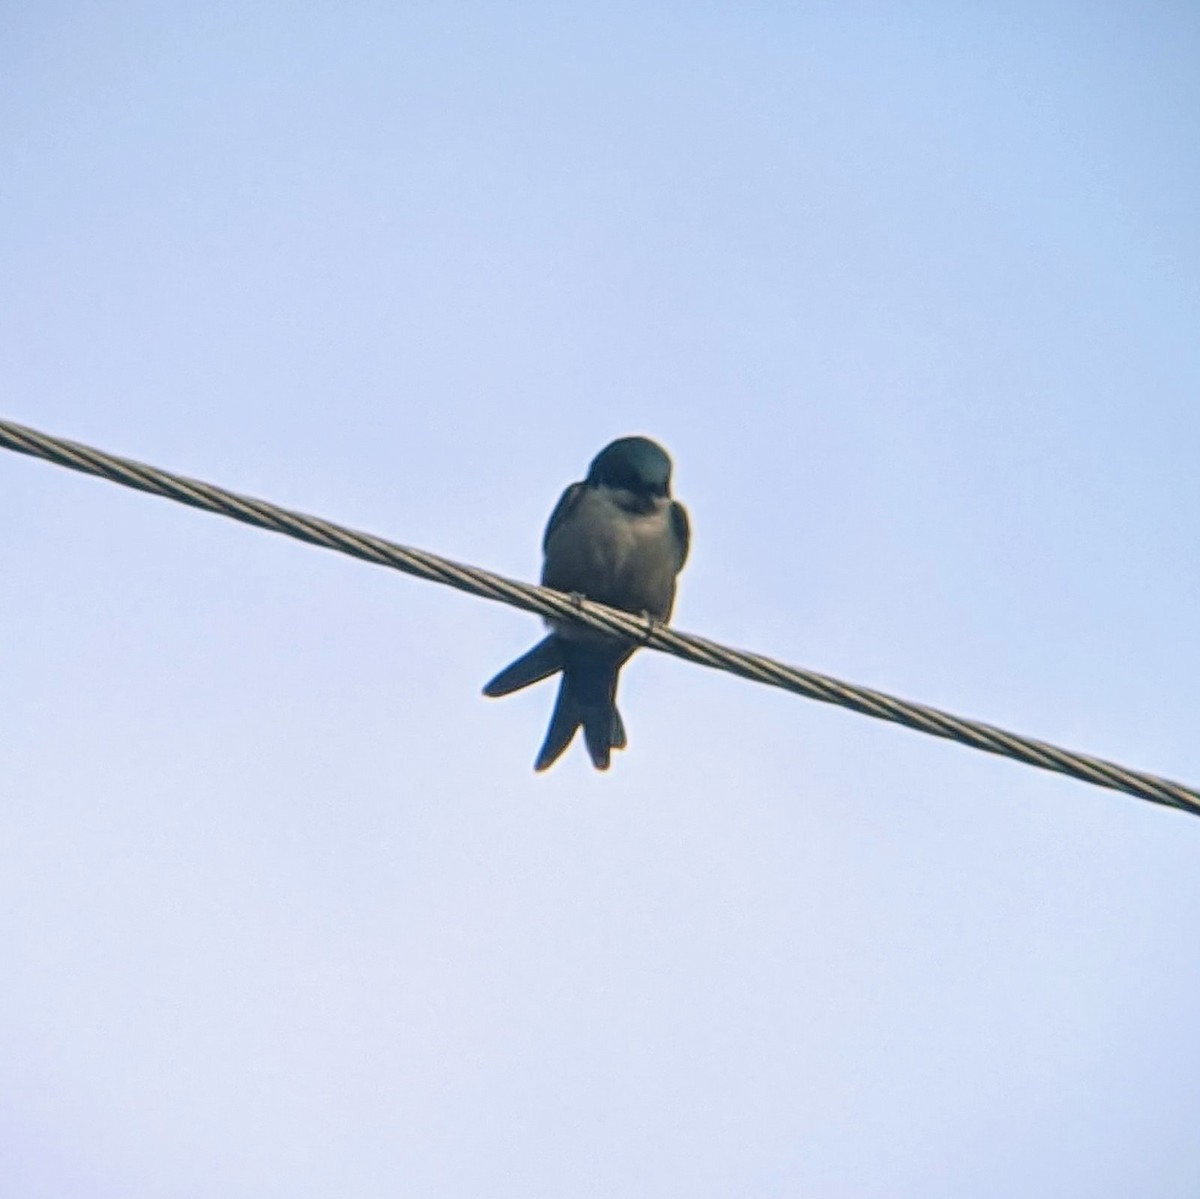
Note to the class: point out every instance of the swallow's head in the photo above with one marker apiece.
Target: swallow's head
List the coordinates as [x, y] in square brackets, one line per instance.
[634, 464]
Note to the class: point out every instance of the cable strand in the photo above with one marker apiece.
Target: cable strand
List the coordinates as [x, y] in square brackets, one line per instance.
[544, 601]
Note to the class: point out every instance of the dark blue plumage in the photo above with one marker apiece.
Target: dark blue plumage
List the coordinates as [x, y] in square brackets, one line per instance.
[618, 538]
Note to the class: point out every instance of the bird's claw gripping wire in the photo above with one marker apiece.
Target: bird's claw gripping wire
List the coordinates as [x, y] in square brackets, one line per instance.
[650, 625]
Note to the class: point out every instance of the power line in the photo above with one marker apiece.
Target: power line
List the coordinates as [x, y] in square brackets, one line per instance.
[546, 602]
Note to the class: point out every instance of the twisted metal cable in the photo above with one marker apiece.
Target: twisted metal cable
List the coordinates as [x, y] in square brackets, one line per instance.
[546, 602]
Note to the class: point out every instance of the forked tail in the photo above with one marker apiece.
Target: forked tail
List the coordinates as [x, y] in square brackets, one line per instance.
[587, 697]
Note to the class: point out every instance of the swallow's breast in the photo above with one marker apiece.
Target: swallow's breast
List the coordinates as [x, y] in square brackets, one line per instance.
[607, 553]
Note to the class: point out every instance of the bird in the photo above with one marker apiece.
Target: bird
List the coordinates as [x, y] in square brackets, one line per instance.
[619, 538]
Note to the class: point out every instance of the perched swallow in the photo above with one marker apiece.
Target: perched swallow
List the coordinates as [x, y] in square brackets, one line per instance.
[620, 539]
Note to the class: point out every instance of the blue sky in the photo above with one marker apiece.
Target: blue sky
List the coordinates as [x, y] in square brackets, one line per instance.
[911, 294]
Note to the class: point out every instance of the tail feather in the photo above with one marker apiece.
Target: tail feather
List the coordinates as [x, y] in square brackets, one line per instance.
[545, 659]
[586, 697]
[598, 737]
[564, 723]
[619, 740]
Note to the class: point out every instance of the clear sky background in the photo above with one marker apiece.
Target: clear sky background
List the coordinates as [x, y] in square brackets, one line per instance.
[912, 295]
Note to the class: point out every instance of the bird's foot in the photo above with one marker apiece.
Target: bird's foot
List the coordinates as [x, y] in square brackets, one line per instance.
[650, 624]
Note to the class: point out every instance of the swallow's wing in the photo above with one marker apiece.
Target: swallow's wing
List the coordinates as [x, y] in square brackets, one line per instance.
[562, 511]
[682, 530]
[538, 663]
